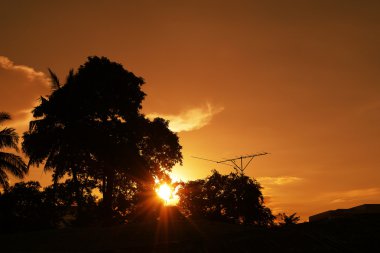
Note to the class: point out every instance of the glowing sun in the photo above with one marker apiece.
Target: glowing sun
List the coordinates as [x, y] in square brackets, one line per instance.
[165, 192]
[168, 194]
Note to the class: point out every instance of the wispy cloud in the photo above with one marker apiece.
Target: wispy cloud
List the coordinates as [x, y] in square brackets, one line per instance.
[192, 119]
[29, 72]
[352, 195]
[21, 86]
[278, 180]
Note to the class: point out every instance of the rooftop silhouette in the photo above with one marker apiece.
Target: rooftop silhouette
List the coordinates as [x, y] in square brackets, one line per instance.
[365, 210]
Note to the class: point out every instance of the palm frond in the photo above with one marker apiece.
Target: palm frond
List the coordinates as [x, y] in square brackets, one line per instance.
[41, 109]
[4, 116]
[8, 138]
[55, 85]
[70, 76]
[38, 125]
[34, 146]
[13, 164]
[4, 180]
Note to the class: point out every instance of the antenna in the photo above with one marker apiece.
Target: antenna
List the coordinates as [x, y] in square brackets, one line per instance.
[234, 162]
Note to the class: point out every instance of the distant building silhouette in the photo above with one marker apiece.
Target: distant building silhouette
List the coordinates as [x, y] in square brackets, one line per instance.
[362, 211]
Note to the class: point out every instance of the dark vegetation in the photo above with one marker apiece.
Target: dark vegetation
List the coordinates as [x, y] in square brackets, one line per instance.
[201, 236]
[232, 198]
[9, 162]
[288, 220]
[90, 133]
[91, 130]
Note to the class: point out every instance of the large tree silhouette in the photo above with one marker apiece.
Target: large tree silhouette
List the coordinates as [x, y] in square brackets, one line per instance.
[9, 162]
[92, 128]
[232, 197]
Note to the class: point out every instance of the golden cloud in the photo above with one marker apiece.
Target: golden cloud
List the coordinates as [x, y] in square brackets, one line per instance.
[189, 120]
[29, 72]
[278, 180]
[21, 86]
[351, 195]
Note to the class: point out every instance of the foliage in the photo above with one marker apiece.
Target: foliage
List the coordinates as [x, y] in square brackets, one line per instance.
[62, 200]
[9, 162]
[191, 198]
[286, 220]
[125, 196]
[91, 129]
[26, 206]
[22, 207]
[232, 197]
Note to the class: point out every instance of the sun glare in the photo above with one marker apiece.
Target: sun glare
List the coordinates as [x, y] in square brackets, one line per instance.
[164, 191]
[167, 194]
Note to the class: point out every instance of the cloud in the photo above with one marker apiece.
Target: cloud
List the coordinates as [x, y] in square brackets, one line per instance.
[278, 180]
[276, 189]
[352, 195]
[20, 88]
[30, 73]
[337, 201]
[191, 119]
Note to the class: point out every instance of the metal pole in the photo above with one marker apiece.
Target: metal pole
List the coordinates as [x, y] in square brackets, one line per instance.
[241, 164]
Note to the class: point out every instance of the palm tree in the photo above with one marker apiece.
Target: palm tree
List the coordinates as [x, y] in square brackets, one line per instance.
[92, 127]
[9, 162]
[288, 220]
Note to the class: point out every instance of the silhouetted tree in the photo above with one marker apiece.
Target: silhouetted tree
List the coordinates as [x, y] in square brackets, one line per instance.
[232, 197]
[191, 198]
[55, 137]
[25, 206]
[287, 220]
[125, 195]
[21, 206]
[91, 128]
[59, 199]
[9, 162]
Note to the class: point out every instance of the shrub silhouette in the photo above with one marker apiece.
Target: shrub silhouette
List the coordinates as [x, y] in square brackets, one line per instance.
[286, 220]
[22, 207]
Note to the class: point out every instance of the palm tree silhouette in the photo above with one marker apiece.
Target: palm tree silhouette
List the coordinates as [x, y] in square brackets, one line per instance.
[9, 162]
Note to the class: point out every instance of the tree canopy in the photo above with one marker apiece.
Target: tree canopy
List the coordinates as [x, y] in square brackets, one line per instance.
[233, 197]
[91, 128]
[9, 162]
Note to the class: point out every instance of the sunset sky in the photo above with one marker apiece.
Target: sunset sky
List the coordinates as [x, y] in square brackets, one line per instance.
[297, 79]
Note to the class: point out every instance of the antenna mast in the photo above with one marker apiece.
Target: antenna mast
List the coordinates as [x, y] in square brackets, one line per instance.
[234, 162]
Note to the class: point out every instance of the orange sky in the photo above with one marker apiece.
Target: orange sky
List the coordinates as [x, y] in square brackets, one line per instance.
[298, 79]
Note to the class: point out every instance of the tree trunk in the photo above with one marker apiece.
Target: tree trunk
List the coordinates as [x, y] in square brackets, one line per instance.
[78, 193]
[104, 184]
[108, 195]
